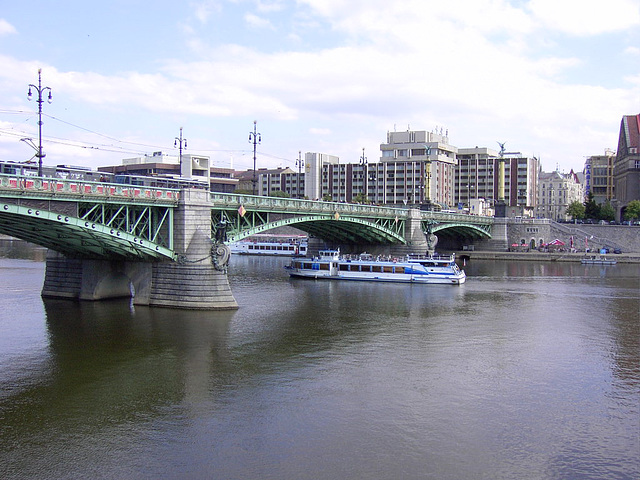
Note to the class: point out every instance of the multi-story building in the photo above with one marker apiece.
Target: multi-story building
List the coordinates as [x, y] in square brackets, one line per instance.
[598, 175]
[477, 178]
[414, 167]
[556, 192]
[626, 168]
[314, 173]
[417, 167]
[272, 180]
[193, 167]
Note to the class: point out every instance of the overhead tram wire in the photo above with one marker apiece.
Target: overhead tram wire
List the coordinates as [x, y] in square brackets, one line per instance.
[113, 148]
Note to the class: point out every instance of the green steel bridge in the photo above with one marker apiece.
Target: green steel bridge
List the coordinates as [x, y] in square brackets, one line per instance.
[96, 220]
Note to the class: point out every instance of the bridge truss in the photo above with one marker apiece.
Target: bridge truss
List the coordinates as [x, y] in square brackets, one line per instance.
[88, 219]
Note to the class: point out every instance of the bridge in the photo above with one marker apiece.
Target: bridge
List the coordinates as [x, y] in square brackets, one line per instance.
[165, 247]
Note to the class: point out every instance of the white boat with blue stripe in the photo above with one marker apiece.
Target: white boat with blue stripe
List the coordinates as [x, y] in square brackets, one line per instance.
[330, 265]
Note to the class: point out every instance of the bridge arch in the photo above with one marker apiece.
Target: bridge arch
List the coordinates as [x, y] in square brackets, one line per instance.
[332, 228]
[76, 237]
[462, 230]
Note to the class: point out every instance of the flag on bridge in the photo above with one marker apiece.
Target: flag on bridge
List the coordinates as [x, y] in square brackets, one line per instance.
[242, 210]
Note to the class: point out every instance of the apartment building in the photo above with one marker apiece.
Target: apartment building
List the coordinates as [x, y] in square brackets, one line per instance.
[477, 178]
[556, 192]
[598, 176]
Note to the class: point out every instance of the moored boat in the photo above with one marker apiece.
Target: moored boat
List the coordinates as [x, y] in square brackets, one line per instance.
[330, 265]
[270, 245]
[597, 260]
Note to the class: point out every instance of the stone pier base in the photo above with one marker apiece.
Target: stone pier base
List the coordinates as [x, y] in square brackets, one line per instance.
[193, 282]
[190, 286]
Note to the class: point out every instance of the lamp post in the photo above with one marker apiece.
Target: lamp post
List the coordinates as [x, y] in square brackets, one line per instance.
[299, 164]
[180, 142]
[40, 89]
[426, 180]
[363, 162]
[255, 138]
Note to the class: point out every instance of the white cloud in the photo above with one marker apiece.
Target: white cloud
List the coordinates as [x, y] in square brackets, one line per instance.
[586, 17]
[467, 65]
[257, 22]
[6, 28]
[319, 131]
[203, 10]
[632, 51]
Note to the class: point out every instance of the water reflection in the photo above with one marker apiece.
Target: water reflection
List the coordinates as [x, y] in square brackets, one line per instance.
[526, 371]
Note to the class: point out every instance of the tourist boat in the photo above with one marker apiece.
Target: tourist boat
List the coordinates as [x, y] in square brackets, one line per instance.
[597, 260]
[329, 264]
[266, 244]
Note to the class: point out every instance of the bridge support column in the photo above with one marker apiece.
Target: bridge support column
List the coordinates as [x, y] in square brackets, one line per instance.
[417, 241]
[193, 282]
[84, 279]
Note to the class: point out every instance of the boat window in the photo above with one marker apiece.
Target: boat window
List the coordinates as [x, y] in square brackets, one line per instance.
[324, 266]
[376, 268]
[344, 267]
[387, 269]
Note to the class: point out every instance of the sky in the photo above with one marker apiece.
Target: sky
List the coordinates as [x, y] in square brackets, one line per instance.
[549, 78]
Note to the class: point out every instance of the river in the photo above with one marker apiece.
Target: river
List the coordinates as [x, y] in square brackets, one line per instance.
[527, 371]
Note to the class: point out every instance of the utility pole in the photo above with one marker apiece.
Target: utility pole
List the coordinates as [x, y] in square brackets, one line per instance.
[40, 89]
[180, 142]
[255, 138]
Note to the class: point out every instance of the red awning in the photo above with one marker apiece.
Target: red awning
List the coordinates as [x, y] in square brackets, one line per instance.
[556, 242]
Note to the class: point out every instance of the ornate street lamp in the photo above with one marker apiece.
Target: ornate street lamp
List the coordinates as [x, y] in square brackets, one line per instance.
[180, 143]
[255, 138]
[300, 164]
[363, 162]
[40, 89]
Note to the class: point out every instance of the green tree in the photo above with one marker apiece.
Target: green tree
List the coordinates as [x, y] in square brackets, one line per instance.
[279, 193]
[576, 210]
[361, 198]
[632, 212]
[607, 212]
[327, 198]
[591, 208]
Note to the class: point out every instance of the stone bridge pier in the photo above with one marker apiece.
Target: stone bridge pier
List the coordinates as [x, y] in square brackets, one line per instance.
[417, 241]
[192, 282]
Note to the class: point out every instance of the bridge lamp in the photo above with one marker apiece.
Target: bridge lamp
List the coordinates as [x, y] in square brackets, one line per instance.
[363, 162]
[255, 138]
[299, 164]
[181, 142]
[40, 89]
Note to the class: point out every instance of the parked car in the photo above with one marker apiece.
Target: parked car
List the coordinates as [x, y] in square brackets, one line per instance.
[606, 249]
[617, 251]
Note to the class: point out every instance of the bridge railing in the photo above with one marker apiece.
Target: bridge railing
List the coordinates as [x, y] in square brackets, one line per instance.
[290, 205]
[60, 186]
[456, 217]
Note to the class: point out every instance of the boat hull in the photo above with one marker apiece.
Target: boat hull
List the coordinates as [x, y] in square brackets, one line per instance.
[398, 278]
